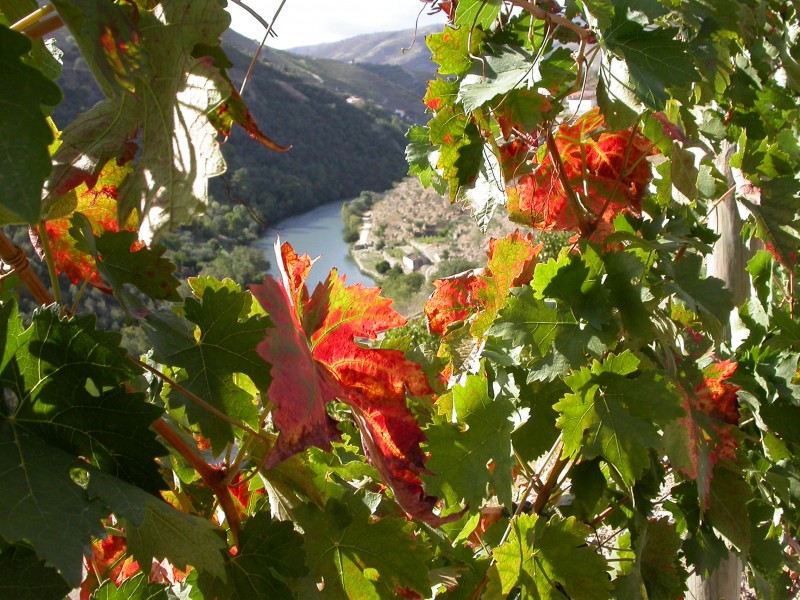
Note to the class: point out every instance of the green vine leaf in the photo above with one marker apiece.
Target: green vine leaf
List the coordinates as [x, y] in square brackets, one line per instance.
[226, 345]
[360, 560]
[656, 59]
[605, 415]
[269, 552]
[477, 13]
[23, 576]
[43, 504]
[473, 456]
[550, 559]
[69, 381]
[24, 132]
[135, 588]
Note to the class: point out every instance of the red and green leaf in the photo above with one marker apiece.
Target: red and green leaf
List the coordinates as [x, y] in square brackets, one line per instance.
[712, 417]
[606, 171]
[482, 293]
[316, 359]
[98, 204]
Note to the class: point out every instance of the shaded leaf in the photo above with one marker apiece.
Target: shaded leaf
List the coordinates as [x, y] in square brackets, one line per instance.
[25, 134]
[727, 506]
[24, 577]
[268, 553]
[656, 59]
[69, 379]
[43, 504]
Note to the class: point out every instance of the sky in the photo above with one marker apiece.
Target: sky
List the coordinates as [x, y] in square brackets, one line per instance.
[310, 22]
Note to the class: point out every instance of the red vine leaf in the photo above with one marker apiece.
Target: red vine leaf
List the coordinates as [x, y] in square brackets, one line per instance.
[98, 204]
[315, 359]
[712, 416]
[606, 171]
[482, 292]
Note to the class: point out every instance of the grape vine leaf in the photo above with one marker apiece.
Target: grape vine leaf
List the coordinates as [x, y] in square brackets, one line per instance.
[157, 530]
[135, 588]
[119, 58]
[182, 538]
[483, 293]
[656, 58]
[122, 259]
[43, 504]
[605, 415]
[472, 457]
[658, 549]
[531, 322]
[477, 13]
[727, 505]
[23, 576]
[550, 559]
[539, 432]
[453, 48]
[776, 216]
[98, 204]
[359, 559]
[69, 381]
[226, 345]
[495, 75]
[268, 552]
[706, 296]
[25, 134]
[177, 152]
[319, 332]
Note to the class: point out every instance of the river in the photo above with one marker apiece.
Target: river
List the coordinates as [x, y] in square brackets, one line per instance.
[316, 233]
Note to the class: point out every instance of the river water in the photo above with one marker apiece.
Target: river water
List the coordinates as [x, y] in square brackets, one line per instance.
[316, 233]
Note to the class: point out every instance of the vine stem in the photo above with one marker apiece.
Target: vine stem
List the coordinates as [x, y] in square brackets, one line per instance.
[199, 401]
[213, 478]
[544, 15]
[51, 265]
[14, 257]
[38, 23]
[572, 200]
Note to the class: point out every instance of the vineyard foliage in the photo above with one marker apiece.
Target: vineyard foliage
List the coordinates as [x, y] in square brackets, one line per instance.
[597, 424]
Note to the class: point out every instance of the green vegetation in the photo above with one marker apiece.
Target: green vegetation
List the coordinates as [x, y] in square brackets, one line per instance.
[352, 216]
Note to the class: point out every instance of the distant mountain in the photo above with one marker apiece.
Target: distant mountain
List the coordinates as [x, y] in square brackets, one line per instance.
[390, 85]
[339, 147]
[405, 49]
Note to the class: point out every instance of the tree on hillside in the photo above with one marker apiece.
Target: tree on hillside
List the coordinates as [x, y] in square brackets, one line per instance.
[603, 423]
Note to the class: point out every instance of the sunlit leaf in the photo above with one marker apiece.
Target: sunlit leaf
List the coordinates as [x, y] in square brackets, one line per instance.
[550, 559]
[319, 332]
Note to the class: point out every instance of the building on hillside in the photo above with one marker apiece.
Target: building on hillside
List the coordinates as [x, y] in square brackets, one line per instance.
[415, 261]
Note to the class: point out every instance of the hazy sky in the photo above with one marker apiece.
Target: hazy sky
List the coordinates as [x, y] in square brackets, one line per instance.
[308, 22]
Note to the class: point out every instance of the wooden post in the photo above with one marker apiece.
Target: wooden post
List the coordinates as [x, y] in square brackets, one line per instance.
[727, 262]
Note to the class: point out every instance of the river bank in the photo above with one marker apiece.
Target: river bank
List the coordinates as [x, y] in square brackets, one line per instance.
[421, 232]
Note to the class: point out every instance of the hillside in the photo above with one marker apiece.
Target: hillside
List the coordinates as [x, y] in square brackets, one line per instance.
[401, 48]
[338, 148]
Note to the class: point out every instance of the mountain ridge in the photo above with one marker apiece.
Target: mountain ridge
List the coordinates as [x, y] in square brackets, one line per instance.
[405, 48]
